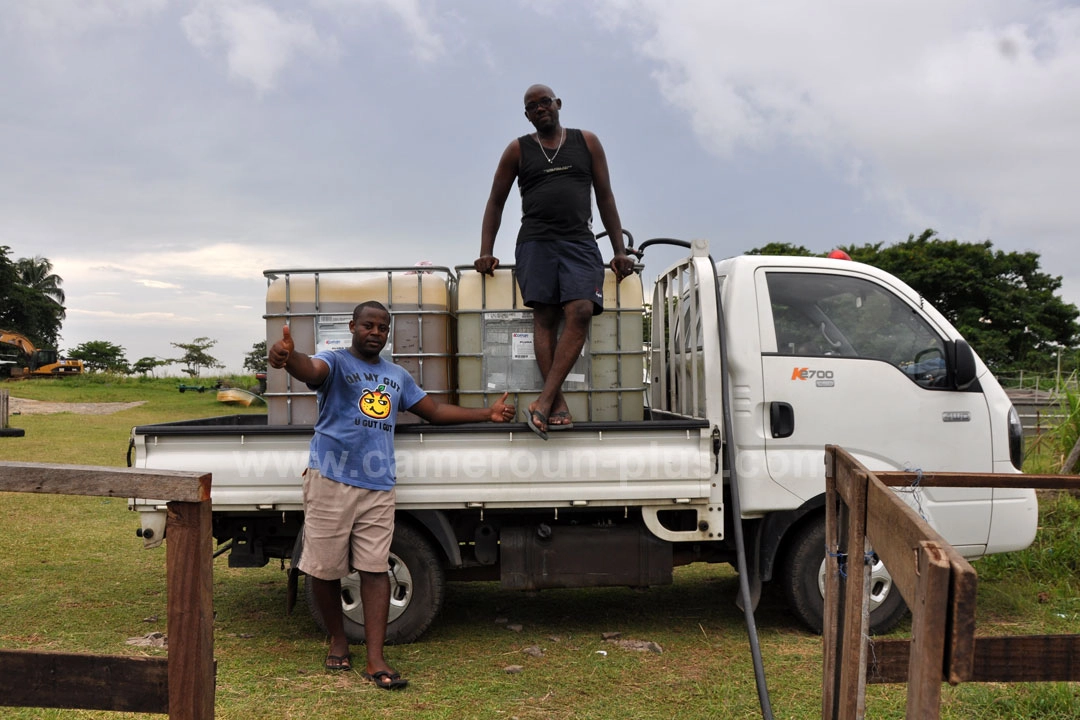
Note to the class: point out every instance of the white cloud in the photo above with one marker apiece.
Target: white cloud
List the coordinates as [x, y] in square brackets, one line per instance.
[124, 316]
[416, 19]
[921, 104]
[365, 132]
[158, 284]
[258, 42]
[58, 19]
[213, 261]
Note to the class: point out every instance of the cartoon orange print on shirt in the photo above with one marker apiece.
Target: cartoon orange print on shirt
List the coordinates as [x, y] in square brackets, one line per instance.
[375, 403]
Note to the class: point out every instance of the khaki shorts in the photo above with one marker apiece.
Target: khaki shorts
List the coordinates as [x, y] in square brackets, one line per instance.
[346, 528]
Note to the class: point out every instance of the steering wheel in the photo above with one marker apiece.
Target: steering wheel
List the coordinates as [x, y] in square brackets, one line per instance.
[929, 377]
[923, 354]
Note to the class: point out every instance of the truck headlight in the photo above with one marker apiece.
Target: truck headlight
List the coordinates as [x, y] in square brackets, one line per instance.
[1016, 440]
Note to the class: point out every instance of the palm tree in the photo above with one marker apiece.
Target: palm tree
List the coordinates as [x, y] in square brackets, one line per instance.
[36, 273]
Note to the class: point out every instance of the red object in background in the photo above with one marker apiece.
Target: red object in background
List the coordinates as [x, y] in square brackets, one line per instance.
[839, 255]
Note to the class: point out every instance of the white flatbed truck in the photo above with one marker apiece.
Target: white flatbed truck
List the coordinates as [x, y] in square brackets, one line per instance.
[815, 351]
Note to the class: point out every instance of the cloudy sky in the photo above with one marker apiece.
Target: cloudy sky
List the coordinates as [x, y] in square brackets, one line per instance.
[163, 153]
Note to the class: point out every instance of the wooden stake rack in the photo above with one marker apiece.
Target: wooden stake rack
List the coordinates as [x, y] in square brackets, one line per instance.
[939, 586]
[181, 685]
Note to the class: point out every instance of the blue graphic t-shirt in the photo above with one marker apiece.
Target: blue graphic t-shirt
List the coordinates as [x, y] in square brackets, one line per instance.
[358, 407]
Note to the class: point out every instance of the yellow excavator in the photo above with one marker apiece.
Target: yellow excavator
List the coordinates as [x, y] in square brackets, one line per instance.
[32, 362]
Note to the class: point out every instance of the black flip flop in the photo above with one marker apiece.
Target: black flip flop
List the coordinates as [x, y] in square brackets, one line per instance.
[556, 427]
[341, 662]
[536, 428]
[386, 680]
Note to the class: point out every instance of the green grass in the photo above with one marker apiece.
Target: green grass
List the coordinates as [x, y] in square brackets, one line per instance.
[74, 578]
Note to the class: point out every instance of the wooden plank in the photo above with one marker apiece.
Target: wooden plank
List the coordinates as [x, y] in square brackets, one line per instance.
[960, 620]
[86, 682]
[831, 618]
[896, 532]
[846, 477]
[1033, 658]
[1024, 658]
[889, 660]
[95, 481]
[189, 572]
[855, 584]
[927, 662]
[987, 480]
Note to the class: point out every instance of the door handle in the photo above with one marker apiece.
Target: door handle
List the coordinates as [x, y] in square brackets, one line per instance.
[781, 419]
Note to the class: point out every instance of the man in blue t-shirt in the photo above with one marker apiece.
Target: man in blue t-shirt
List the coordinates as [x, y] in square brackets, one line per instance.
[349, 483]
[559, 268]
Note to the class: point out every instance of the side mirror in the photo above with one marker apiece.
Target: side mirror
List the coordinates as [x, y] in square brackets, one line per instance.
[963, 365]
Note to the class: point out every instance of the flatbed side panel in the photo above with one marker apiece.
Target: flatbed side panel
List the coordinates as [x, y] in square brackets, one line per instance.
[438, 469]
[514, 468]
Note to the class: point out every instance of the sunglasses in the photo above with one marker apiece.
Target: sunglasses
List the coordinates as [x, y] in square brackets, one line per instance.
[541, 103]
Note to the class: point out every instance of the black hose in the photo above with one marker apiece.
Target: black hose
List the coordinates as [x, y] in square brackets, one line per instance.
[736, 510]
[733, 481]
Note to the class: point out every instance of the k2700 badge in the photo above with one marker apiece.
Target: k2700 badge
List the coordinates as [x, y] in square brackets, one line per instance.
[811, 374]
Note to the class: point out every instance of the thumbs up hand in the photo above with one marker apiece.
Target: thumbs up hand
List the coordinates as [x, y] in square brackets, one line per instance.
[502, 411]
[282, 349]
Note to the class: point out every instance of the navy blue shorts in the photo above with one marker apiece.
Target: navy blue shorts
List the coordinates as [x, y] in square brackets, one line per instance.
[558, 271]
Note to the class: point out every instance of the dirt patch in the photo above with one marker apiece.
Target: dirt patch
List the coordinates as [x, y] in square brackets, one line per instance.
[40, 407]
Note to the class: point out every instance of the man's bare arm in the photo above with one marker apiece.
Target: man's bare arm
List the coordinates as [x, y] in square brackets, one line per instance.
[446, 414]
[505, 173]
[621, 263]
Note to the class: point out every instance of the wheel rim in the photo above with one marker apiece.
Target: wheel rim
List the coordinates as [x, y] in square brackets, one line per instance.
[401, 592]
[881, 582]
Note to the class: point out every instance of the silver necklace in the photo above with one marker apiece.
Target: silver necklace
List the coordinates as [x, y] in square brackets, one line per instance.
[561, 141]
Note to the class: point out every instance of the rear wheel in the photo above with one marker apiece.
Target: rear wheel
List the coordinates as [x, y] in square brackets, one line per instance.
[803, 580]
[417, 586]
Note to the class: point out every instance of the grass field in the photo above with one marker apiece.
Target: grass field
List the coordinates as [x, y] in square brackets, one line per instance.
[74, 578]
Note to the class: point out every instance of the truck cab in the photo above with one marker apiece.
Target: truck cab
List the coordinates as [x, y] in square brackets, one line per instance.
[825, 351]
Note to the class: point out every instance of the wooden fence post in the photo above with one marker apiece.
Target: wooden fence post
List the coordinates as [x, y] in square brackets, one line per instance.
[183, 684]
[189, 572]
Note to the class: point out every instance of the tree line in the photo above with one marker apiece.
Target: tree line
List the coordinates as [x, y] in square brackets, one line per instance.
[31, 298]
[1001, 302]
[32, 304]
[104, 356]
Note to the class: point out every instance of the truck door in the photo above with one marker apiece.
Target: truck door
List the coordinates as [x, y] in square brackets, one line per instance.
[848, 361]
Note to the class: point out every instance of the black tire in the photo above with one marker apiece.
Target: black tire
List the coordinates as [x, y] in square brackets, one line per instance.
[802, 578]
[417, 587]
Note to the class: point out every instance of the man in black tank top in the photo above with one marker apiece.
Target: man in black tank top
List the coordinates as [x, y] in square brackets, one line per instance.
[559, 267]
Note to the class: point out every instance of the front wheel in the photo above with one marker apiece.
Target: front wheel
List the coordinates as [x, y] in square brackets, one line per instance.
[803, 579]
[417, 586]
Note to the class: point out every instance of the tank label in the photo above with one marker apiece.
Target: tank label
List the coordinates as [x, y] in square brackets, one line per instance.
[521, 346]
[503, 316]
[332, 332]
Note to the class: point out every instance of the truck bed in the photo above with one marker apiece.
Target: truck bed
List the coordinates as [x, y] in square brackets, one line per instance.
[257, 467]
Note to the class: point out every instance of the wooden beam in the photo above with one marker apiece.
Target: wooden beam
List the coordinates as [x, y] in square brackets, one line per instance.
[104, 481]
[1008, 659]
[854, 596]
[987, 480]
[88, 682]
[896, 532]
[189, 570]
[833, 609]
[928, 634]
